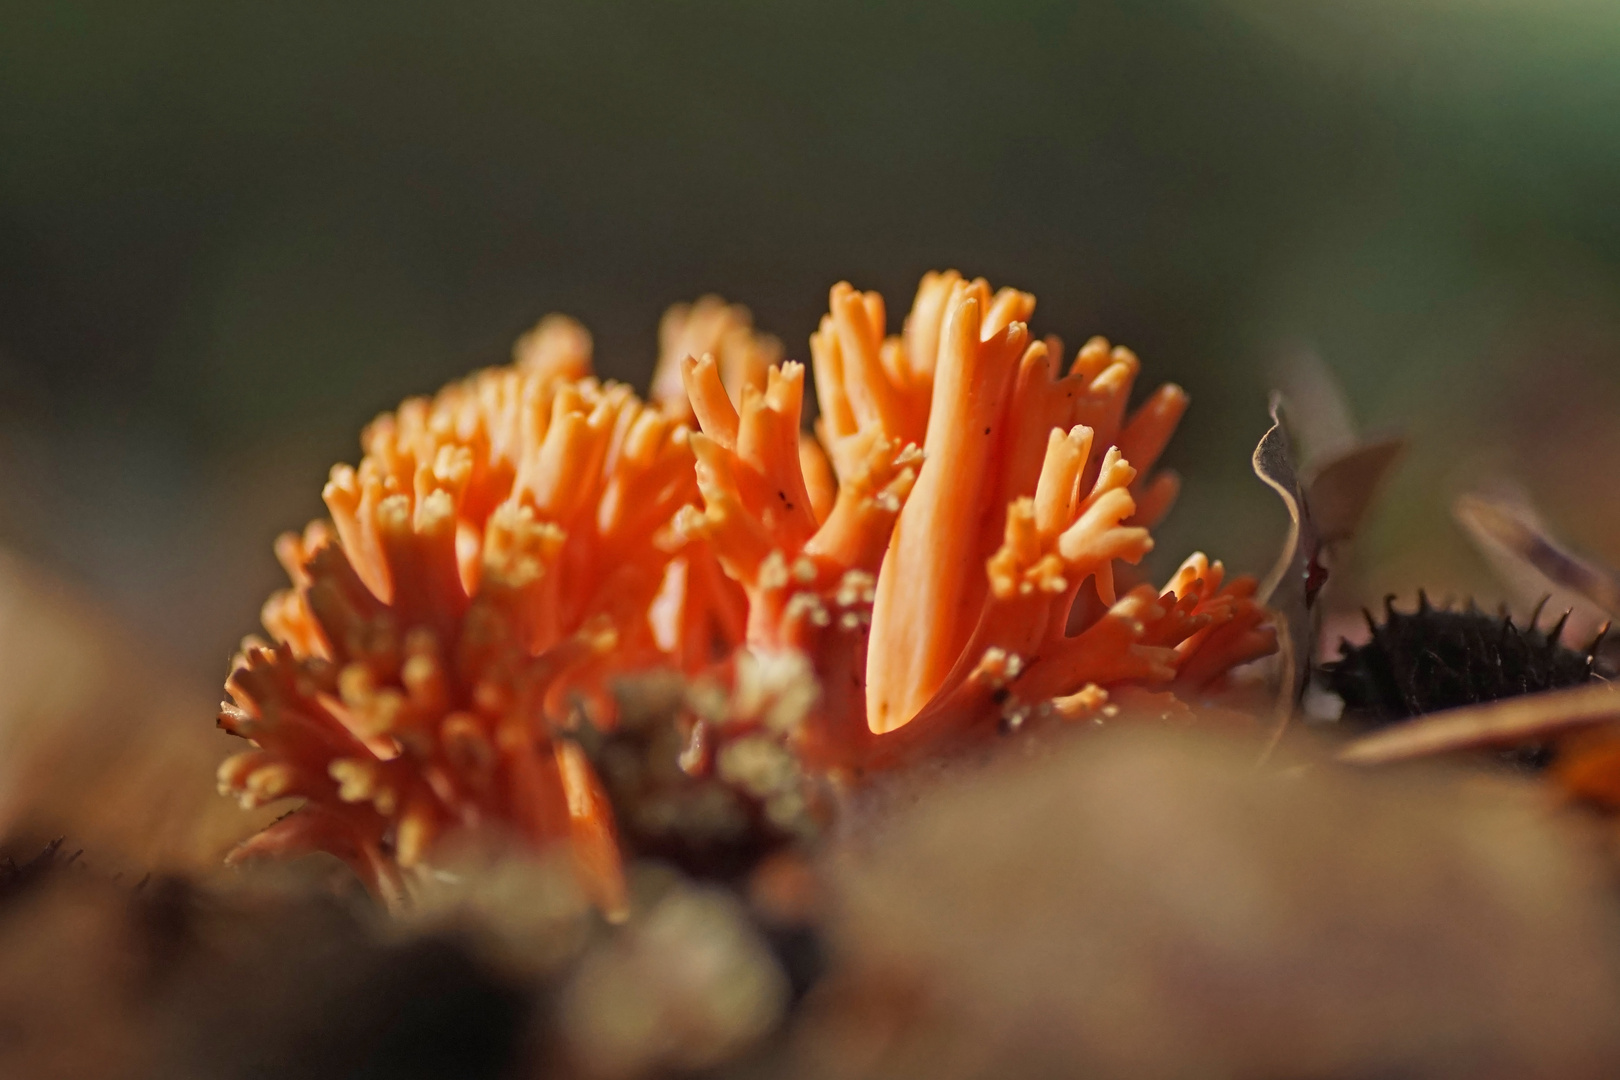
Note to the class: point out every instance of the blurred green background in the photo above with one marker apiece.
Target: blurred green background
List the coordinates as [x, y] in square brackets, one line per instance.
[230, 234]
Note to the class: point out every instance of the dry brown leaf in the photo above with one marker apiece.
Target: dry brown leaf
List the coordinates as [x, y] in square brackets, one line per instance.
[1343, 488]
[1529, 718]
[1528, 557]
[1341, 472]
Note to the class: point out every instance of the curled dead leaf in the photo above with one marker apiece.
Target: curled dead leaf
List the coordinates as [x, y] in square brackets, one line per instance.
[1286, 589]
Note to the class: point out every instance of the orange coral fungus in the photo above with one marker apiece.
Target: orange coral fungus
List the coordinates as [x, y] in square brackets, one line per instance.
[977, 492]
[915, 575]
[498, 551]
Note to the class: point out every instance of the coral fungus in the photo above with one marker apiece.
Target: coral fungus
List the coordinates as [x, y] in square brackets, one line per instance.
[977, 492]
[497, 551]
[943, 558]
